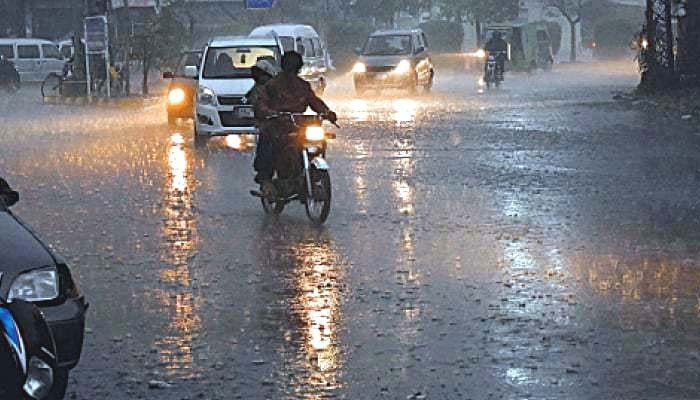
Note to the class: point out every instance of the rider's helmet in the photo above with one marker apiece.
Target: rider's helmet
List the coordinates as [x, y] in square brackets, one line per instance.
[292, 62]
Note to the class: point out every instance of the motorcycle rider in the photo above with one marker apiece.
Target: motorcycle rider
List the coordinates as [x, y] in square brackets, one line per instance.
[497, 47]
[284, 93]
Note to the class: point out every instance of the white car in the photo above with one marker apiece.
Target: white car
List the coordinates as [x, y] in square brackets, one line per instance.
[35, 59]
[225, 78]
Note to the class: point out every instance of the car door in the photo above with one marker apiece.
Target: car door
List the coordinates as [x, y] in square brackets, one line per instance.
[50, 60]
[28, 62]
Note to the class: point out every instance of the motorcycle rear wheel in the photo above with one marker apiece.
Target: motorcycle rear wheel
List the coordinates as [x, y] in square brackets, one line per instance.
[272, 207]
[318, 205]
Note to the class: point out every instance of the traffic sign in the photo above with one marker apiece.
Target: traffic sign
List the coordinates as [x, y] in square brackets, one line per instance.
[259, 4]
[96, 34]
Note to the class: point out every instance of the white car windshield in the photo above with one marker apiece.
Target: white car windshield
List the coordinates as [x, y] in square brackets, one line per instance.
[235, 62]
[388, 45]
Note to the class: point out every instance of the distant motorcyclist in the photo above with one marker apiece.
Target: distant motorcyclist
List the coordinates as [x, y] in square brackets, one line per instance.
[285, 93]
[263, 71]
[498, 47]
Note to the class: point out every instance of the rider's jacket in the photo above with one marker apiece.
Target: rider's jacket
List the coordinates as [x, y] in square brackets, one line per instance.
[288, 93]
[496, 45]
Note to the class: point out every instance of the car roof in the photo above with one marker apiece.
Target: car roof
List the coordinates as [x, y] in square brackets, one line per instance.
[388, 32]
[224, 41]
[285, 30]
[22, 41]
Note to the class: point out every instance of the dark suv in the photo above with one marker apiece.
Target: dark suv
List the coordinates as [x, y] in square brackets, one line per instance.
[30, 271]
[396, 59]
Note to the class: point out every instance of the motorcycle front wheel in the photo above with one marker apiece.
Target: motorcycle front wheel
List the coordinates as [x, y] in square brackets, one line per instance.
[318, 205]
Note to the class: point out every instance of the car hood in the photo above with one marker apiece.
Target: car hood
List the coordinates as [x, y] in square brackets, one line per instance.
[19, 249]
[382, 61]
[229, 87]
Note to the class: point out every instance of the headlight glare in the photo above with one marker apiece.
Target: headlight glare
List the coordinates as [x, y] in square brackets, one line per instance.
[403, 67]
[481, 53]
[176, 96]
[206, 96]
[359, 68]
[37, 285]
[315, 133]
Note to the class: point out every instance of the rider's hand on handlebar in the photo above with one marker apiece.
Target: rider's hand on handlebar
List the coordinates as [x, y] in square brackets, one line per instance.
[332, 117]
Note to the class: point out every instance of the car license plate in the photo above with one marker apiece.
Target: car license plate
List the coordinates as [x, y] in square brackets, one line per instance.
[245, 112]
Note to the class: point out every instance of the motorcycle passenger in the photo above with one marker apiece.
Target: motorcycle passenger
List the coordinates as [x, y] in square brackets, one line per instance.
[263, 71]
[285, 93]
[498, 47]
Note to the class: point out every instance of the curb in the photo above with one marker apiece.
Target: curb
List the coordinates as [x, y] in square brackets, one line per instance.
[98, 101]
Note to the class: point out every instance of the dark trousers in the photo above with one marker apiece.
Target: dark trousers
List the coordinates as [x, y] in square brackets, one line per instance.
[264, 163]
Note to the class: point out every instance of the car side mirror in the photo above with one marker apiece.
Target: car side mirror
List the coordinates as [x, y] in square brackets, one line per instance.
[191, 72]
[168, 75]
[11, 198]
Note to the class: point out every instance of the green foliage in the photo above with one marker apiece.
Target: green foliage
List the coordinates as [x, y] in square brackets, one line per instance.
[555, 35]
[443, 36]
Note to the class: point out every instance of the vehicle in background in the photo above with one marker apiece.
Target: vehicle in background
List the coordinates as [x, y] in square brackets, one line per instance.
[32, 272]
[182, 90]
[65, 47]
[304, 40]
[35, 59]
[529, 45]
[396, 59]
[224, 79]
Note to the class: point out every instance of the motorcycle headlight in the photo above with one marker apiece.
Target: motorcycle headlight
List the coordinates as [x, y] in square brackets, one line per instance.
[176, 96]
[306, 70]
[206, 96]
[404, 67]
[39, 378]
[37, 285]
[359, 68]
[315, 134]
[481, 53]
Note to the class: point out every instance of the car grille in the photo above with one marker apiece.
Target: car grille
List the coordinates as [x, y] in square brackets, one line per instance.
[379, 69]
[230, 119]
[231, 100]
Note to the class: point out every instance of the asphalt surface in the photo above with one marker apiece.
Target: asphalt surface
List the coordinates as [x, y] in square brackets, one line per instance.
[535, 242]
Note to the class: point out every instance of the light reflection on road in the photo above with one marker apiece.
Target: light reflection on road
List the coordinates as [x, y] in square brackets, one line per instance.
[179, 241]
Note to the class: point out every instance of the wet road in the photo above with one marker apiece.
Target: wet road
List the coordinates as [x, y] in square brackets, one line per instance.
[536, 242]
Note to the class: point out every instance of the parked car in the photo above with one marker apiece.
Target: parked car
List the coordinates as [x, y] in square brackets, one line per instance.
[304, 40]
[396, 59]
[224, 78]
[182, 89]
[31, 271]
[35, 58]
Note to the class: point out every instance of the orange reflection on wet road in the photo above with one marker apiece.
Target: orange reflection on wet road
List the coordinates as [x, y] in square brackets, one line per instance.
[179, 241]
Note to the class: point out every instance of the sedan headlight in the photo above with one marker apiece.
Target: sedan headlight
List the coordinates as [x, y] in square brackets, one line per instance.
[176, 96]
[404, 67]
[359, 68]
[315, 133]
[206, 96]
[37, 285]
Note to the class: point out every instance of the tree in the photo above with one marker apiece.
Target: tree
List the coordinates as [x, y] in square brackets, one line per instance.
[689, 43]
[572, 11]
[157, 41]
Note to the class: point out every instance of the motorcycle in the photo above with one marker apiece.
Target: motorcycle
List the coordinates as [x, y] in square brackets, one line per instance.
[494, 73]
[27, 353]
[302, 171]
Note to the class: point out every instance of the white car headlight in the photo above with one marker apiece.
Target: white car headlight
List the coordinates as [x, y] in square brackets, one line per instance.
[404, 67]
[37, 285]
[359, 68]
[206, 96]
[176, 96]
[315, 133]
